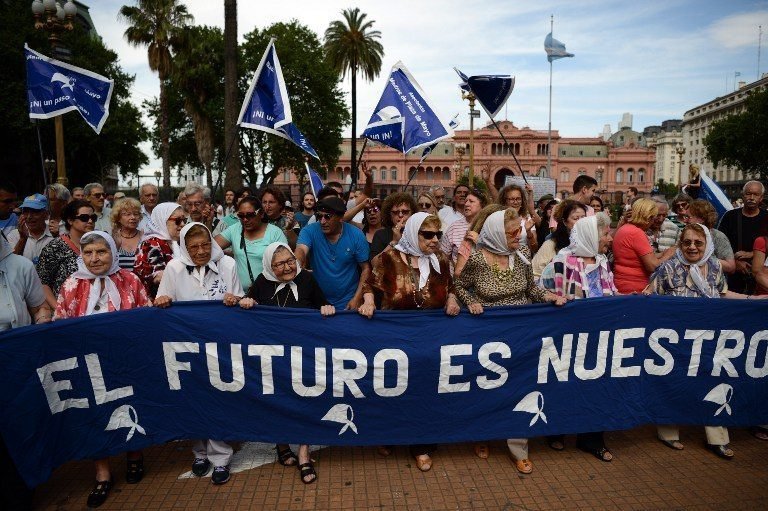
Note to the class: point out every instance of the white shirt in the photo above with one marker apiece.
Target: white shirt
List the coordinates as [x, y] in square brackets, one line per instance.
[145, 218]
[103, 222]
[20, 288]
[447, 216]
[34, 246]
[183, 285]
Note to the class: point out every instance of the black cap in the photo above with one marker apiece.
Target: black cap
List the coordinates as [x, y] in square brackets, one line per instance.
[332, 204]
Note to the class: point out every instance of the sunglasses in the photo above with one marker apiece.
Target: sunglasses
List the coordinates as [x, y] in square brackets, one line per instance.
[247, 216]
[324, 216]
[98, 195]
[85, 217]
[179, 220]
[374, 209]
[425, 205]
[401, 212]
[428, 235]
[695, 243]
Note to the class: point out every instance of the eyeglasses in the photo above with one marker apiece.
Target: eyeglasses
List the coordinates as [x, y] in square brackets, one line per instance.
[198, 248]
[284, 264]
[84, 218]
[374, 209]
[425, 205]
[401, 212]
[98, 195]
[513, 234]
[324, 216]
[694, 243]
[514, 199]
[247, 216]
[198, 204]
[179, 220]
[428, 235]
[680, 205]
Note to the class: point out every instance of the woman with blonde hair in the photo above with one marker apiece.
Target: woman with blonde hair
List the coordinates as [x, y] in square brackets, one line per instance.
[694, 181]
[634, 258]
[125, 216]
[515, 197]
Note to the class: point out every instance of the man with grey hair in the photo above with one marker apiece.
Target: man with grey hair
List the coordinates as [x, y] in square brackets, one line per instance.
[78, 193]
[743, 226]
[438, 192]
[148, 197]
[198, 206]
[58, 197]
[662, 233]
[94, 193]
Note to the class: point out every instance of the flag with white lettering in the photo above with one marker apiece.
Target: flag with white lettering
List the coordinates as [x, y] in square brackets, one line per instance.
[267, 106]
[404, 118]
[711, 191]
[453, 123]
[555, 49]
[491, 91]
[55, 87]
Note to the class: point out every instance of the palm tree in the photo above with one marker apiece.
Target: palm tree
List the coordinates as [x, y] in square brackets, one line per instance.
[160, 26]
[234, 179]
[351, 46]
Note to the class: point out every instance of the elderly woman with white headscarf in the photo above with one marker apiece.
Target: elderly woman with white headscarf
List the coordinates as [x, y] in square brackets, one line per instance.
[498, 272]
[415, 275]
[282, 283]
[581, 271]
[99, 285]
[202, 272]
[693, 272]
[159, 244]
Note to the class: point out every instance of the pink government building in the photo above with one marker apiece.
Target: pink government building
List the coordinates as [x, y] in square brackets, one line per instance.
[616, 161]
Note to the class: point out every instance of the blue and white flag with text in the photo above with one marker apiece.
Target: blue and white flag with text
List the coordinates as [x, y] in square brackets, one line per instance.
[492, 91]
[710, 191]
[404, 119]
[315, 182]
[555, 49]
[453, 123]
[267, 106]
[55, 87]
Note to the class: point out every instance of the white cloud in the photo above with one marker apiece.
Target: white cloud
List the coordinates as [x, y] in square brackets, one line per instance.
[739, 30]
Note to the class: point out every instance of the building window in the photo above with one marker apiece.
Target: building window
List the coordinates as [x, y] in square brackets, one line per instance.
[598, 153]
[393, 173]
[562, 153]
[286, 175]
[383, 174]
[641, 176]
[630, 176]
[619, 176]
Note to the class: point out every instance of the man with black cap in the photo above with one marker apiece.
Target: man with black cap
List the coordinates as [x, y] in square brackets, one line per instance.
[337, 252]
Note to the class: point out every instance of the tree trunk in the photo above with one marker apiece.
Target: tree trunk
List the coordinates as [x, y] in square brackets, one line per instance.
[354, 127]
[165, 147]
[234, 175]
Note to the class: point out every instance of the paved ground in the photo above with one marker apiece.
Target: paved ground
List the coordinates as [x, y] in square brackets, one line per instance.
[644, 475]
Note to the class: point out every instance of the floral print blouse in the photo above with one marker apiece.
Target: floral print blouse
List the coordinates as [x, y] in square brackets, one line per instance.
[57, 262]
[393, 283]
[73, 298]
[673, 278]
[152, 255]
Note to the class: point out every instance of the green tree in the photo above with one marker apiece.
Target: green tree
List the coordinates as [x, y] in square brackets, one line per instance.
[317, 103]
[741, 140]
[668, 190]
[160, 26]
[88, 155]
[352, 45]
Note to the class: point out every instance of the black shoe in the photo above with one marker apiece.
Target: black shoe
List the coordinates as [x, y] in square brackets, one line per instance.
[99, 493]
[135, 471]
[722, 451]
[200, 466]
[220, 475]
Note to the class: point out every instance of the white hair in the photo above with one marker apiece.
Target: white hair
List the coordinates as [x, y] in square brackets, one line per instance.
[762, 187]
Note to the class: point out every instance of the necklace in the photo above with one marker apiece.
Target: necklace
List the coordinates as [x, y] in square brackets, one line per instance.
[277, 298]
[120, 231]
[332, 248]
[415, 285]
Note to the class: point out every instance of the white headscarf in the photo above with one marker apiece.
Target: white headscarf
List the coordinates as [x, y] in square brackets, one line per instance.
[184, 257]
[84, 273]
[157, 226]
[266, 263]
[695, 269]
[493, 237]
[585, 242]
[409, 244]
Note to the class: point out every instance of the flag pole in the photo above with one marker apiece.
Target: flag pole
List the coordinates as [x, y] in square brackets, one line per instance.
[549, 128]
[512, 150]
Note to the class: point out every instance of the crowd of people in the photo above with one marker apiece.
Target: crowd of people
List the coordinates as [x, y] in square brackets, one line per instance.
[67, 254]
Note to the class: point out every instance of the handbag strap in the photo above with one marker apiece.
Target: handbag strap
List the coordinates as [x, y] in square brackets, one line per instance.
[245, 251]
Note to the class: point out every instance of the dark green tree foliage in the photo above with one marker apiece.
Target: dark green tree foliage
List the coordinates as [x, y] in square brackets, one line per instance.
[88, 155]
[741, 140]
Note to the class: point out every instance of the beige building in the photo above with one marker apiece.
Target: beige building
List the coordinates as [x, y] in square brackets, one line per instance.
[666, 138]
[698, 121]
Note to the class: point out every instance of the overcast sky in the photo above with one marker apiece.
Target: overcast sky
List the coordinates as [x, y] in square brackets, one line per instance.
[653, 58]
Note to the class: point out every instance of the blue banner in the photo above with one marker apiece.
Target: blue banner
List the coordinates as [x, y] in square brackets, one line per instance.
[97, 386]
[315, 181]
[55, 88]
[711, 191]
[404, 118]
[554, 48]
[491, 91]
[267, 106]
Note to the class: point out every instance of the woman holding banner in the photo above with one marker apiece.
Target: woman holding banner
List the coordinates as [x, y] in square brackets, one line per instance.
[693, 272]
[159, 244]
[283, 284]
[99, 285]
[413, 275]
[498, 272]
[581, 271]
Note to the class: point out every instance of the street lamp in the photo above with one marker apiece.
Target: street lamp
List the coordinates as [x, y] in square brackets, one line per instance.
[54, 19]
[472, 114]
[680, 152]
[158, 175]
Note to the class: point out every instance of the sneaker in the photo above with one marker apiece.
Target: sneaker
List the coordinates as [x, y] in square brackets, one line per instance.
[220, 475]
[200, 466]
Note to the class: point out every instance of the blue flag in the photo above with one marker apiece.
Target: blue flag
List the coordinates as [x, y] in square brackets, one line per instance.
[710, 191]
[492, 91]
[555, 49]
[404, 119]
[267, 106]
[453, 123]
[55, 87]
[315, 182]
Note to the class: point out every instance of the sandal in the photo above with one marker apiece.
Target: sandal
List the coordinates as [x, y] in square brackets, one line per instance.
[481, 450]
[307, 470]
[286, 457]
[424, 462]
[722, 451]
[759, 432]
[99, 493]
[603, 454]
[673, 444]
[135, 471]
[524, 466]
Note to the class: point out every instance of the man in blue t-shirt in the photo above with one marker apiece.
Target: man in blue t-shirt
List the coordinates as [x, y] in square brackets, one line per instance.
[338, 254]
